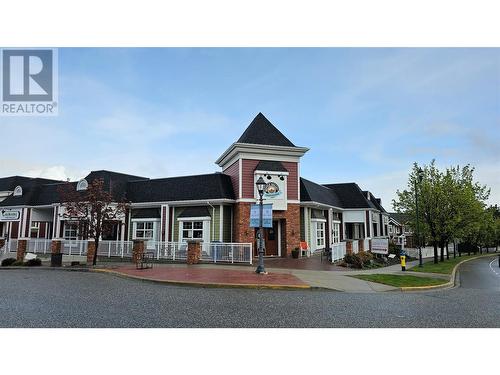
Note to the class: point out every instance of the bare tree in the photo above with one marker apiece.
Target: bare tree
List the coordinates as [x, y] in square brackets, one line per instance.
[93, 208]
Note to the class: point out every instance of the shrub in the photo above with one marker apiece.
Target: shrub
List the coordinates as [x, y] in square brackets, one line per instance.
[33, 262]
[17, 263]
[8, 262]
[359, 260]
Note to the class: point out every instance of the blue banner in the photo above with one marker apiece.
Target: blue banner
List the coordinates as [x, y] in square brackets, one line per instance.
[267, 215]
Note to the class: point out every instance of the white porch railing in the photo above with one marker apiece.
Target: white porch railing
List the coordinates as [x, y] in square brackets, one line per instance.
[227, 252]
[10, 246]
[223, 252]
[74, 247]
[121, 249]
[338, 251]
[39, 246]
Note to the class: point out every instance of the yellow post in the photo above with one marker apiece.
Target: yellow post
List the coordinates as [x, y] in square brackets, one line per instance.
[403, 262]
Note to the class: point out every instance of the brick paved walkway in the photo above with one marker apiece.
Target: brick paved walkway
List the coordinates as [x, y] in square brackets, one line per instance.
[191, 274]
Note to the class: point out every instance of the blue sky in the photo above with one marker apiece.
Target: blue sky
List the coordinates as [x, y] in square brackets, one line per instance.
[366, 113]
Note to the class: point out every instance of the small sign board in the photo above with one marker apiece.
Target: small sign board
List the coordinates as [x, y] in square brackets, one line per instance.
[380, 246]
[7, 214]
[267, 216]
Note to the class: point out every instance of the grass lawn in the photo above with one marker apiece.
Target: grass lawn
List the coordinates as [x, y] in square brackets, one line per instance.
[445, 267]
[401, 280]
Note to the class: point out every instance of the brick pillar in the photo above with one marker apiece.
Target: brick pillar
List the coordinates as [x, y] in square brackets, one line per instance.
[137, 250]
[348, 247]
[292, 227]
[361, 245]
[193, 252]
[90, 252]
[55, 247]
[21, 249]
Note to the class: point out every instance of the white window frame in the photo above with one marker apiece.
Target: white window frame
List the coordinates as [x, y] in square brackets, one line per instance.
[155, 223]
[335, 231]
[319, 241]
[205, 235]
[69, 228]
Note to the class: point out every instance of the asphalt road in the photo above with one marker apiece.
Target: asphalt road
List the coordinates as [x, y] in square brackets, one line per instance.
[41, 298]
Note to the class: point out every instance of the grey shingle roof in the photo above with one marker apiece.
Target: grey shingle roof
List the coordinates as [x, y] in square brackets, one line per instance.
[199, 187]
[262, 132]
[313, 192]
[350, 195]
[399, 217]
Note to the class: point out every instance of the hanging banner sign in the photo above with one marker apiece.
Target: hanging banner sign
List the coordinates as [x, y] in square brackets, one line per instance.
[7, 214]
[267, 215]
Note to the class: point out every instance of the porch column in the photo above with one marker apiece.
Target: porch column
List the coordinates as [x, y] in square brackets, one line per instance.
[164, 222]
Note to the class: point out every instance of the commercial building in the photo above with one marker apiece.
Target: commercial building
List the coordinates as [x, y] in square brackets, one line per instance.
[211, 207]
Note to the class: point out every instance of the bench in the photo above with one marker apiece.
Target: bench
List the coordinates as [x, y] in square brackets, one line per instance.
[145, 261]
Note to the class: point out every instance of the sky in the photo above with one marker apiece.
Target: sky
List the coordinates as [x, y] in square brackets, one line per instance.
[365, 113]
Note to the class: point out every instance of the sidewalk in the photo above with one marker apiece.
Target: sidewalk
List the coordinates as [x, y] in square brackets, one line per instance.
[211, 275]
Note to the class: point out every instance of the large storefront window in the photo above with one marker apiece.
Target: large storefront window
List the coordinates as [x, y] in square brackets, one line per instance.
[192, 230]
[320, 234]
[70, 231]
[336, 232]
[144, 230]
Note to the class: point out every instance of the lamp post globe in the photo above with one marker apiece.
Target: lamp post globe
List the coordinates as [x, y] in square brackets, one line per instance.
[261, 184]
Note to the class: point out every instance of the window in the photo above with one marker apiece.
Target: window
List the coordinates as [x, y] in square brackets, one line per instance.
[192, 229]
[70, 231]
[374, 229]
[144, 230]
[320, 234]
[18, 191]
[82, 185]
[336, 232]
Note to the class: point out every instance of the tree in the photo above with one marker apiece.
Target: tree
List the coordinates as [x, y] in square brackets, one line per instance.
[429, 195]
[93, 208]
[451, 205]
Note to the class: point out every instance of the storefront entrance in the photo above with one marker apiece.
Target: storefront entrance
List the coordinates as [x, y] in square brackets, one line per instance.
[272, 238]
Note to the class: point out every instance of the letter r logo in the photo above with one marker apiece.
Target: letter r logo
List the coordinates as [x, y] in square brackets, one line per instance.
[27, 75]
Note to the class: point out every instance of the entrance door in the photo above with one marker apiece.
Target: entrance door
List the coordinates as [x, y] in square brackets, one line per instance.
[270, 239]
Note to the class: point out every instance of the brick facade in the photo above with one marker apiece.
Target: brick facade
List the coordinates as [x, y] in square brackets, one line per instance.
[90, 252]
[193, 252]
[243, 233]
[21, 249]
[55, 247]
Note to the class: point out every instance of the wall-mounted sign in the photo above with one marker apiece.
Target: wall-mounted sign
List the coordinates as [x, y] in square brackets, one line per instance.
[7, 214]
[380, 246]
[267, 216]
[275, 190]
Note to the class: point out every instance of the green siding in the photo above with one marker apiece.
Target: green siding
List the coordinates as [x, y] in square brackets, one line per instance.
[226, 225]
[215, 223]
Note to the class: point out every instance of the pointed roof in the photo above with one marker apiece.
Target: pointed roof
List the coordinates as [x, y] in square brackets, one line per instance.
[262, 132]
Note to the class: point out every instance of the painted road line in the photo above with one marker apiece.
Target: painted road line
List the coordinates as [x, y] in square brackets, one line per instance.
[491, 266]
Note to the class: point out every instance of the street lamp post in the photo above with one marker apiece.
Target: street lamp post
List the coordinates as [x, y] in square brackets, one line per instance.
[261, 184]
[417, 184]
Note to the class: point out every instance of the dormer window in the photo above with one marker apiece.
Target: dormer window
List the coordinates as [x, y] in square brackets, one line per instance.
[18, 191]
[82, 185]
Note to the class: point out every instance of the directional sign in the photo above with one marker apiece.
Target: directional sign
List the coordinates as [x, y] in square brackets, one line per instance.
[267, 215]
[7, 214]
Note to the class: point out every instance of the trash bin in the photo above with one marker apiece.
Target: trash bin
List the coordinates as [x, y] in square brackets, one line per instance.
[56, 260]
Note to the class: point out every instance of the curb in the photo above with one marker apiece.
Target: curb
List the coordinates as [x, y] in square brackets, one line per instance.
[450, 284]
[205, 284]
